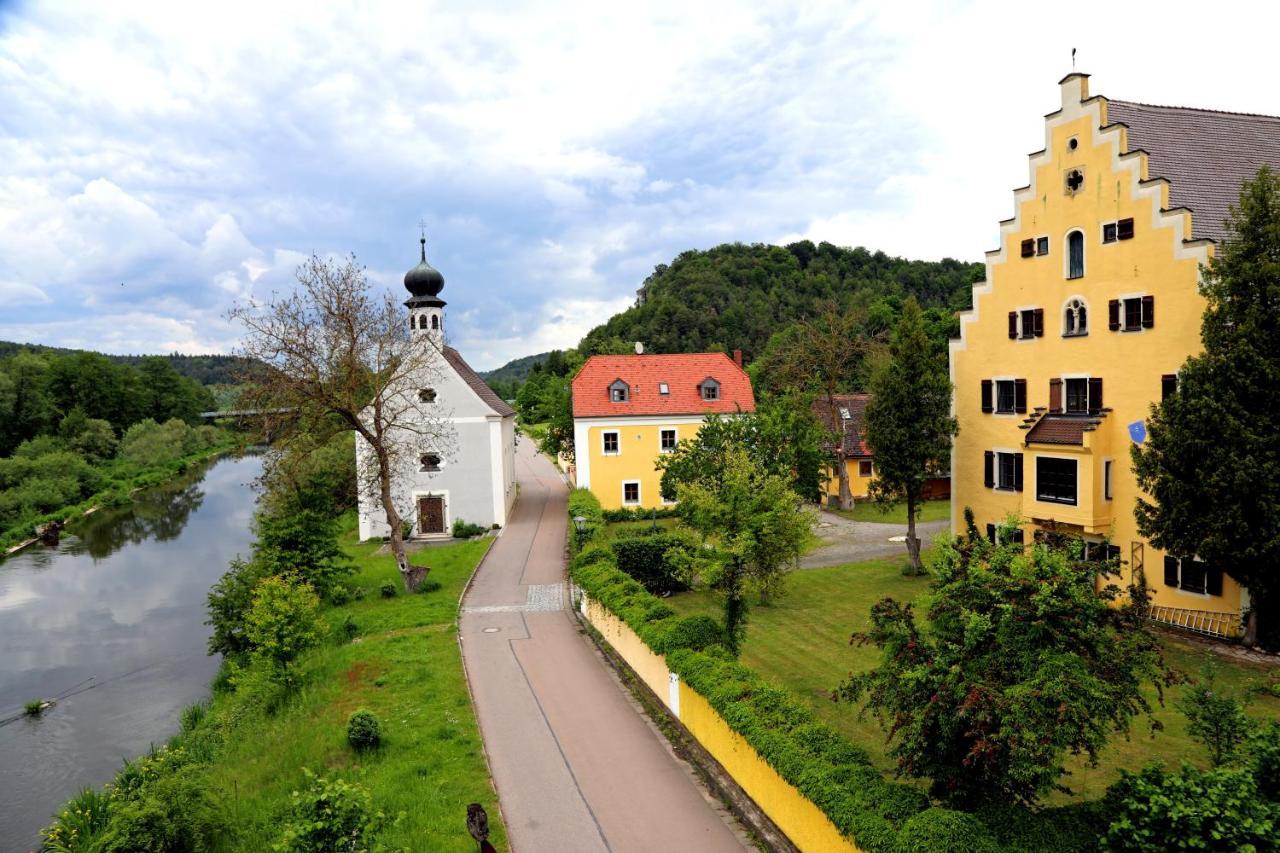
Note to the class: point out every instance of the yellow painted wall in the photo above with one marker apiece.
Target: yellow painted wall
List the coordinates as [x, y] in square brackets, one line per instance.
[638, 446]
[858, 485]
[801, 821]
[651, 668]
[1130, 363]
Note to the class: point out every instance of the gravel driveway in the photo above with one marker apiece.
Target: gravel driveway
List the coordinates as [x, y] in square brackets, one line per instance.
[851, 541]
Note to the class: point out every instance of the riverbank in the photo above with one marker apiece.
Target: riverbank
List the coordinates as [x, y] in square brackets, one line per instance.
[121, 482]
[239, 759]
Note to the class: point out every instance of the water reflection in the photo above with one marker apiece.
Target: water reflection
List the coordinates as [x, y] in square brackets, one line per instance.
[119, 601]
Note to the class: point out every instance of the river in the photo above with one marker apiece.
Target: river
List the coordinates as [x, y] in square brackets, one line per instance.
[121, 601]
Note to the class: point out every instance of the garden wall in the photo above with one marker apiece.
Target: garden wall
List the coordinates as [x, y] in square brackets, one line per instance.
[802, 821]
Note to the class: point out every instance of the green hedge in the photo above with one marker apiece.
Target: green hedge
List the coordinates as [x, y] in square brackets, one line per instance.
[638, 514]
[645, 558]
[585, 505]
[834, 774]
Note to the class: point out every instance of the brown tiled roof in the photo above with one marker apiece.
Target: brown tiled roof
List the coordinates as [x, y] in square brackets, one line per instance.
[851, 428]
[1206, 155]
[682, 373]
[483, 391]
[1060, 429]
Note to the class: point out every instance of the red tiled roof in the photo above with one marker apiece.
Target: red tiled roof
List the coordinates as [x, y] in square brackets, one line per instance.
[851, 427]
[1060, 429]
[683, 373]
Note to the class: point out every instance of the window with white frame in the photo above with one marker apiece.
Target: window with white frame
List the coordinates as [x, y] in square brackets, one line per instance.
[631, 492]
[610, 440]
[1075, 318]
[667, 440]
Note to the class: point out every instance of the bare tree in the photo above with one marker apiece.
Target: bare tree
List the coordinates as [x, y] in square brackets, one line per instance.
[337, 356]
[825, 353]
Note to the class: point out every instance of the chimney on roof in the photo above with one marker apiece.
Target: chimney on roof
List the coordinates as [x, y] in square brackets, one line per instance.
[737, 357]
[639, 348]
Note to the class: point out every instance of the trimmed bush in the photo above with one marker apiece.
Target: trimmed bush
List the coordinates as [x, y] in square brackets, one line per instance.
[364, 731]
[613, 516]
[389, 589]
[465, 529]
[583, 504]
[945, 831]
[646, 558]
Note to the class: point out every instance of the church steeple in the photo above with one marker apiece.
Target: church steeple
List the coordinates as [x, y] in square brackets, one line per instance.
[426, 309]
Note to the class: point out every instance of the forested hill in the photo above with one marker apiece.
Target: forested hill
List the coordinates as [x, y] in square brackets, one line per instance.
[735, 296]
[205, 369]
[517, 369]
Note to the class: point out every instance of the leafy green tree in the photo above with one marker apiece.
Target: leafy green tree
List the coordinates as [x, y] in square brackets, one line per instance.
[908, 421]
[229, 602]
[1215, 718]
[282, 623]
[782, 436]
[1211, 460]
[293, 540]
[30, 411]
[753, 526]
[1031, 656]
[168, 394]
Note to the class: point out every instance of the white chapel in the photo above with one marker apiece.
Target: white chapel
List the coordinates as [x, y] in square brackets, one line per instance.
[474, 479]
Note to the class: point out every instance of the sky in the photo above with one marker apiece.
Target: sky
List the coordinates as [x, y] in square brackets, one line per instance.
[160, 161]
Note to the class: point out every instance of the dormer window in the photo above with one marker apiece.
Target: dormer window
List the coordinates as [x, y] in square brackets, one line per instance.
[430, 462]
[710, 389]
[619, 392]
[427, 395]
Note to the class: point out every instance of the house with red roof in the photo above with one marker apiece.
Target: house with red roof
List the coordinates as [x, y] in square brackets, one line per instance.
[628, 410]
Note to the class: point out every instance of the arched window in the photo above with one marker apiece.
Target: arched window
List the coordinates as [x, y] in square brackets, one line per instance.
[1075, 254]
[1075, 318]
[435, 321]
[430, 462]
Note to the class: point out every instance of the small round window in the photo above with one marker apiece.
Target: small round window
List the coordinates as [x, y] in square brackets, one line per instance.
[427, 395]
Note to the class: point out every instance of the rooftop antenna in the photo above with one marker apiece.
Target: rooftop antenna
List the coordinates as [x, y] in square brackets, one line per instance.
[1073, 59]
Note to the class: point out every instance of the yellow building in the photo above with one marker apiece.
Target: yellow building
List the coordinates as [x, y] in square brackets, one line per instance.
[1089, 307]
[630, 409]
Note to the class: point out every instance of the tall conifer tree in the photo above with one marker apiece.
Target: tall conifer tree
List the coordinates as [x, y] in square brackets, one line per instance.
[1211, 460]
[908, 420]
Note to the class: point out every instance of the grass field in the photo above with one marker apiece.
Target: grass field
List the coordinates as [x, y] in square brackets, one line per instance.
[802, 642]
[868, 511]
[406, 668]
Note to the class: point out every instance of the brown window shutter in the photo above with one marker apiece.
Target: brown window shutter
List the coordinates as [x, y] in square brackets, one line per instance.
[988, 463]
[1055, 396]
[1020, 396]
[1095, 394]
[1013, 324]
[1213, 581]
[986, 396]
[1168, 386]
[1113, 315]
[1148, 312]
[1170, 571]
[1028, 248]
[1039, 323]
[1124, 229]
[1017, 472]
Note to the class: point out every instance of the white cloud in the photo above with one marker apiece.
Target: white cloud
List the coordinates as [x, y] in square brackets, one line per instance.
[16, 293]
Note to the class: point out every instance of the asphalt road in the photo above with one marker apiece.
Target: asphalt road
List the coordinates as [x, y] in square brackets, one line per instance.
[577, 765]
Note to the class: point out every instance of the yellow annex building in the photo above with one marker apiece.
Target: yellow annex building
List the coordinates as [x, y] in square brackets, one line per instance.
[630, 409]
[1089, 307]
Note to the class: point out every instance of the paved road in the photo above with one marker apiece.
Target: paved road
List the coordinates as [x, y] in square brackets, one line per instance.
[577, 766]
[850, 541]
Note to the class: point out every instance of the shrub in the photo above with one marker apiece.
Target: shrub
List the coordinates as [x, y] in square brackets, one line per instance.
[301, 542]
[465, 529]
[282, 623]
[364, 731]
[583, 504]
[350, 630]
[79, 823]
[692, 632]
[1264, 759]
[389, 589]
[170, 811]
[1214, 718]
[638, 514]
[646, 558]
[340, 595]
[945, 831]
[429, 586]
[328, 815]
[1219, 809]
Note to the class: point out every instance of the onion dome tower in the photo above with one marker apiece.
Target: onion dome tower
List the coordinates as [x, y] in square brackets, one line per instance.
[426, 309]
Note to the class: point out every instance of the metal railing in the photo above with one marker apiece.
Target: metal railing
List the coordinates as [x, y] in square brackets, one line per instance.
[1211, 623]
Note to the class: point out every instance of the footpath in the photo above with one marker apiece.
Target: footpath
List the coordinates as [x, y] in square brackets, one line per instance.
[577, 766]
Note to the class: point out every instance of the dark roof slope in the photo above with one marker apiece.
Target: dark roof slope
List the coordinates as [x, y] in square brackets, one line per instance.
[483, 391]
[847, 420]
[1060, 429]
[1205, 154]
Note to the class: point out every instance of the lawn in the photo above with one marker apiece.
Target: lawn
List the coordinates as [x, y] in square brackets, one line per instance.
[405, 667]
[866, 510]
[802, 642]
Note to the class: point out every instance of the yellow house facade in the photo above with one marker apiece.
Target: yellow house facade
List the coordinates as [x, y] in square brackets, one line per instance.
[1089, 307]
[628, 410]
